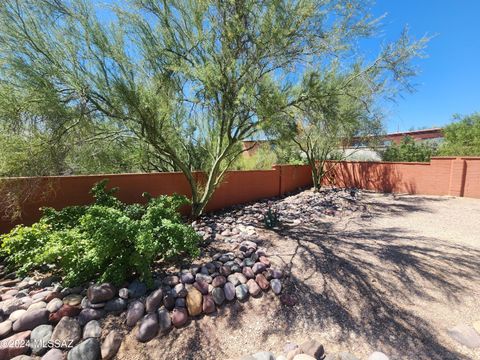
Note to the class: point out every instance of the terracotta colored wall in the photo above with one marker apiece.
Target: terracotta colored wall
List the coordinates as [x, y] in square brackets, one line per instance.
[238, 187]
[472, 178]
[292, 175]
[458, 176]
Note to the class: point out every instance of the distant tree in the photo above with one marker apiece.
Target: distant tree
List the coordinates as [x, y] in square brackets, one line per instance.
[190, 78]
[262, 158]
[341, 110]
[410, 150]
[462, 138]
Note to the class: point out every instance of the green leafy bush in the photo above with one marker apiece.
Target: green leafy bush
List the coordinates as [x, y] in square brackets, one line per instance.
[106, 241]
[409, 150]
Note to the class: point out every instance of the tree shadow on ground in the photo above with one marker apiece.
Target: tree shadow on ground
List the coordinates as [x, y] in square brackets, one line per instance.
[353, 278]
[362, 281]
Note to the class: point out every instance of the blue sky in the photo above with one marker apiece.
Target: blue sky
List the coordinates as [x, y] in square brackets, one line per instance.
[449, 81]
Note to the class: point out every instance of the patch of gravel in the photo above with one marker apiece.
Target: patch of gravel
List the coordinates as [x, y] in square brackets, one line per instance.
[373, 272]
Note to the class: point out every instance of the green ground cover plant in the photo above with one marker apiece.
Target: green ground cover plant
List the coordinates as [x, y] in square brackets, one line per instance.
[105, 241]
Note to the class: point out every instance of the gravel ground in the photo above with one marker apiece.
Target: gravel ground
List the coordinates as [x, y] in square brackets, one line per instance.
[382, 272]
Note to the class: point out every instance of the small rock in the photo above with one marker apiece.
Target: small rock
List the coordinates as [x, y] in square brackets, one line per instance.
[111, 344]
[41, 295]
[248, 273]
[92, 329]
[37, 305]
[17, 314]
[241, 291]
[276, 274]
[187, 278]
[116, 305]
[233, 279]
[202, 277]
[67, 332]
[180, 316]
[11, 305]
[377, 355]
[276, 286]
[264, 260]
[262, 282]
[30, 320]
[14, 345]
[90, 314]
[164, 320]
[135, 312]
[171, 280]
[54, 354]
[54, 305]
[208, 304]
[224, 270]
[229, 290]
[194, 302]
[154, 300]
[148, 327]
[73, 299]
[313, 348]
[242, 278]
[169, 301]
[201, 286]
[87, 350]
[218, 295]
[65, 310]
[179, 291]
[40, 337]
[219, 281]
[180, 302]
[123, 293]
[100, 293]
[253, 288]
[258, 268]
[5, 328]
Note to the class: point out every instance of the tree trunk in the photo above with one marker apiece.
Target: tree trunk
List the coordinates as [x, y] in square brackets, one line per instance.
[315, 176]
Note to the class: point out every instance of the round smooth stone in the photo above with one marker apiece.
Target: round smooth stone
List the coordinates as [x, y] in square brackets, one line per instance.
[241, 291]
[229, 290]
[218, 295]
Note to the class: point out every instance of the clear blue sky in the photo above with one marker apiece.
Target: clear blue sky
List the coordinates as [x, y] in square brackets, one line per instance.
[449, 81]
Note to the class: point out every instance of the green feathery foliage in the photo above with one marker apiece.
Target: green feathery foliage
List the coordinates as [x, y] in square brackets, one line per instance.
[462, 137]
[190, 79]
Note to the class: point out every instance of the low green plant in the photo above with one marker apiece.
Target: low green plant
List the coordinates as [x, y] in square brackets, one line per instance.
[106, 241]
[271, 219]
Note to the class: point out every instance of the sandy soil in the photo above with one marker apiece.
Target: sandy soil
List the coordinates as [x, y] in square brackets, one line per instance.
[391, 277]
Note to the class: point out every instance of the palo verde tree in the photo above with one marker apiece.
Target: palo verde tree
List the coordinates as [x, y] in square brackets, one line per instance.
[190, 78]
[340, 109]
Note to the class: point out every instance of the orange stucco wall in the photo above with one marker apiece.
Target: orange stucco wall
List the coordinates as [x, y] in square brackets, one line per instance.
[238, 187]
[456, 176]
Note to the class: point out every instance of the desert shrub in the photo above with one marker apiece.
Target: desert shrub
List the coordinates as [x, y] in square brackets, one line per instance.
[262, 159]
[409, 150]
[106, 241]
